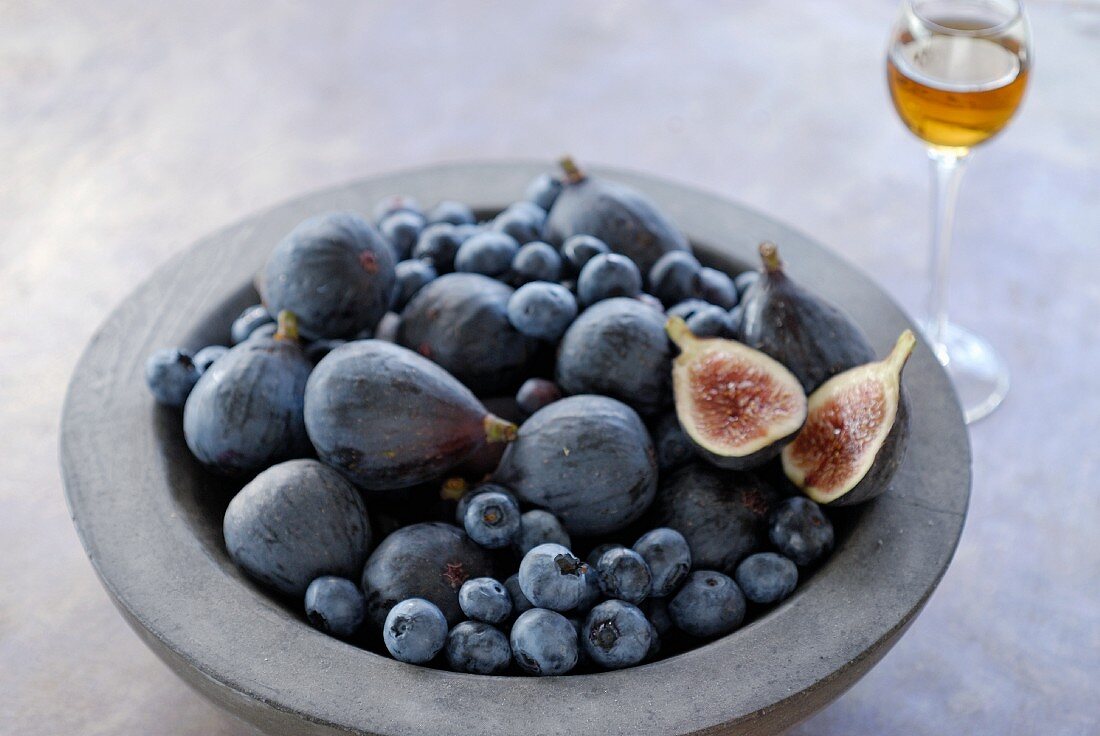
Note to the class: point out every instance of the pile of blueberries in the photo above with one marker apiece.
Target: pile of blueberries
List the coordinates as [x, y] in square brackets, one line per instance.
[609, 613]
[524, 600]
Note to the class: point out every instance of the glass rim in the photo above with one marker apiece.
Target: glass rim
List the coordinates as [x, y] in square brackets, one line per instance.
[948, 31]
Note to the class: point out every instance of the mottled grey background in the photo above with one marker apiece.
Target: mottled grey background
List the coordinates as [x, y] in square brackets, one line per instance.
[128, 129]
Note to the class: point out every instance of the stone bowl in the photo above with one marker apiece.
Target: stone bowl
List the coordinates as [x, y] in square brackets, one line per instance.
[150, 519]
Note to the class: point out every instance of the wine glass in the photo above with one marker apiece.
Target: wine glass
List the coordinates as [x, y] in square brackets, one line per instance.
[957, 70]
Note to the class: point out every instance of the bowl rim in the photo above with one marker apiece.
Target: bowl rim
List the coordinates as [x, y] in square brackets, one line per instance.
[243, 649]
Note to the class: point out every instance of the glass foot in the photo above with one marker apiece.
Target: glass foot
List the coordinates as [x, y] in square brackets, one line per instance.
[977, 370]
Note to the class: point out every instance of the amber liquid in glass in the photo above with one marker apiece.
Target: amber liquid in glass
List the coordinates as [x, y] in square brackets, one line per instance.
[955, 91]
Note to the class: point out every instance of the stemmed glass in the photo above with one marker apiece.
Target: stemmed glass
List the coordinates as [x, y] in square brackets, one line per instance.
[957, 70]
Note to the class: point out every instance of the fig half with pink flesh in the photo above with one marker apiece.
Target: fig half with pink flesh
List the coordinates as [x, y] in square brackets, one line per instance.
[855, 434]
[736, 404]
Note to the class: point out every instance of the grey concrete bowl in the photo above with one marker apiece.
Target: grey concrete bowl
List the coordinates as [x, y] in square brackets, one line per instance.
[150, 520]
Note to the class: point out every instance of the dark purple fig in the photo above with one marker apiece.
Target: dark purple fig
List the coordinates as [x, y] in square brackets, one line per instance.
[739, 406]
[460, 321]
[814, 339]
[294, 522]
[335, 272]
[623, 218]
[587, 459]
[722, 514]
[245, 412]
[429, 561]
[855, 434]
[617, 347]
[387, 418]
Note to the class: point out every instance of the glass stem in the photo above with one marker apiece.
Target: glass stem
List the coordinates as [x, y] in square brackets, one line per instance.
[947, 169]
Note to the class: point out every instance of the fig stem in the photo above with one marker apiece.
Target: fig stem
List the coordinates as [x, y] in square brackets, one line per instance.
[769, 253]
[498, 430]
[453, 489]
[903, 348]
[287, 327]
[573, 173]
[679, 331]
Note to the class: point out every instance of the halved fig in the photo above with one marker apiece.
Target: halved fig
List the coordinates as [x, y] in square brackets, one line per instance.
[739, 406]
[855, 434]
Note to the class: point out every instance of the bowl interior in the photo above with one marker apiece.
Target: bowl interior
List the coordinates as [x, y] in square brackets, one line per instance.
[201, 498]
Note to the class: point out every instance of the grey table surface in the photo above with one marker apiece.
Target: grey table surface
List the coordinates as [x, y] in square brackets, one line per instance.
[129, 129]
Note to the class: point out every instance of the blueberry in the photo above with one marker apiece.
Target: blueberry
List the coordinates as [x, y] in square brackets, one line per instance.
[320, 348]
[673, 446]
[396, 203]
[716, 287]
[673, 277]
[401, 230]
[206, 357]
[666, 553]
[687, 308]
[492, 520]
[438, 244]
[578, 626]
[544, 642]
[415, 631]
[519, 600]
[335, 605]
[606, 276]
[528, 209]
[578, 250]
[598, 551]
[462, 233]
[624, 574]
[616, 634]
[489, 253]
[551, 577]
[655, 641]
[485, 599]
[711, 321]
[411, 277]
[464, 502]
[536, 261]
[456, 213]
[386, 330]
[248, 321]
[263, 331]
[737, 316]
[656, 610]
[542, 310]
[710, 604]
[744, 280]
[543, 190]
[478, 648]
[540, 527]
[170, 375]
[766, 577]
[650, 301]
[535, 393]
[801, 531]
[593, 594]
[523, 221]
